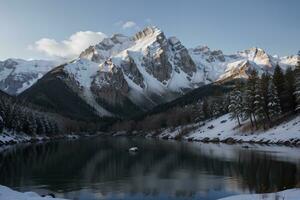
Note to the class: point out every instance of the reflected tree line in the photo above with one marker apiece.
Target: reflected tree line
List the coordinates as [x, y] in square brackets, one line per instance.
[69, 165]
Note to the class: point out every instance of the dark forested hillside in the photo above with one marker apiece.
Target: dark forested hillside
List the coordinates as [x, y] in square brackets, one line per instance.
[199, 104]
[53, 94]
[16, 116]
[192, 97]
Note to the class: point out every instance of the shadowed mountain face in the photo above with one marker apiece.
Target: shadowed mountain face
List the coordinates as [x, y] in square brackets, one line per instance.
[160, 169]
[54, 94]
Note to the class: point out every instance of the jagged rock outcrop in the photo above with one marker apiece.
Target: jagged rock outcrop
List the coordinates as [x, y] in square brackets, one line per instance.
[107, 48]
[131, 70]
[110, 86]
[182, 59]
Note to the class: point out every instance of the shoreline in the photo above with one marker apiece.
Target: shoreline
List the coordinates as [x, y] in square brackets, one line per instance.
[218, 130]
[7, 193]
[224, 130]
[8, 139]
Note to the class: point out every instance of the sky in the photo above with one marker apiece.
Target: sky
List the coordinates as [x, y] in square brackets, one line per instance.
[48, 29]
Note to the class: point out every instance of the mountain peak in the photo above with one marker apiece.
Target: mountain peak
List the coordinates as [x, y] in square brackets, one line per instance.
[258, 55]
[118, 38]
[202, 48]
[252, 50]
[146, 32]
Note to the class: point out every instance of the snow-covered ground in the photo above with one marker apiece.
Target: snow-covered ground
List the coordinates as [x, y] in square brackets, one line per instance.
[8, 138]
[9, 194]
[292, 194]
[224, 129]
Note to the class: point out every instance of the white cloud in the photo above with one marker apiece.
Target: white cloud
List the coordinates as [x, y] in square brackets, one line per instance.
[129, 24]
[69, 48]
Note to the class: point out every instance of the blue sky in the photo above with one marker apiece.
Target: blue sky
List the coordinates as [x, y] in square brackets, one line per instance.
[229, 25]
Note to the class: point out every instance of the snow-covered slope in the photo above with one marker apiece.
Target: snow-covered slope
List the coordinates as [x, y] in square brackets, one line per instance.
[16, 75]
[223, 129]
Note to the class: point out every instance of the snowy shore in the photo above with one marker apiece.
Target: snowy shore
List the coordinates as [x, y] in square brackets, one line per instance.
[223, 129]
[291, 194]
[9, 138]
[9, 194]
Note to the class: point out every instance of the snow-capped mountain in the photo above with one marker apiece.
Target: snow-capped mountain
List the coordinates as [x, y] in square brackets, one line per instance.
[219, 67]
[123, 75]
[16, 75]
[132, 73]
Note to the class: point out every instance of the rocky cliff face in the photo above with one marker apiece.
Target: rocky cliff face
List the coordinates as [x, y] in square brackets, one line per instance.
[155, 58]
[110, 86]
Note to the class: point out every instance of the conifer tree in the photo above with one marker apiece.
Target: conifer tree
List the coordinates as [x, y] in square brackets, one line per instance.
[205, 108]
[32, 128]
[25, 123]
[279, 82]
[290, 88]
[55, 128]
[259, 102]
[47, 125]
[274, 108]
[264, 87]
[249, 98]
[2, 115]
[1, 124]
[236, 104]
[40, 125]
[297, 84]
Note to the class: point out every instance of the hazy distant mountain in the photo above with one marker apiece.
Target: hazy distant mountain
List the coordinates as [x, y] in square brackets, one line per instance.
[219, 67]
[16, 75]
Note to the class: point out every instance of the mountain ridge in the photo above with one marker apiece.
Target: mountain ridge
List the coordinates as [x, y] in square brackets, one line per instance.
[122, 75]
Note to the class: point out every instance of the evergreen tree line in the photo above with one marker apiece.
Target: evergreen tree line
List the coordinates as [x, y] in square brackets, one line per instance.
[264, 99]
[16, 117]
[203, 109]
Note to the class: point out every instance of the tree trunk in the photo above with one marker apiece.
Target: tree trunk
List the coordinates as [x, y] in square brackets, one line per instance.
[251, 121]
[239, 120]
[264, 124]
[255, 122]
[269, 119]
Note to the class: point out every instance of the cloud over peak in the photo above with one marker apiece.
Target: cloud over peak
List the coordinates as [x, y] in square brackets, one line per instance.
[70, 48]
[129, 24]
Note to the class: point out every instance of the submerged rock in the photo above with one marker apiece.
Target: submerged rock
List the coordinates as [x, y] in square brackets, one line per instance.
[133, 149]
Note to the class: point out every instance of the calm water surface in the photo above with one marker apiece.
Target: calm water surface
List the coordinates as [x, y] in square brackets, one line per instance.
[102, 168]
